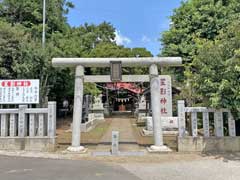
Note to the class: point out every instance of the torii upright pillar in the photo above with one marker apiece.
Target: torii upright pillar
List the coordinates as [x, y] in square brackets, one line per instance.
[77, 111]
[156, 113]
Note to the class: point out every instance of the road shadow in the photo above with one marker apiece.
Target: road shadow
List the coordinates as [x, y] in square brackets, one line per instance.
[225, 156]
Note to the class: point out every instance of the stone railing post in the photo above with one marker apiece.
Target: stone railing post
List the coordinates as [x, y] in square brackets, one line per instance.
[13, 125]
[51, 119]
[218, 123]
[41, 125]
[32, 125]
[206, 124]
[4, 125]
[231, 125]
[181, 118]
[22, 125]
[194, 123]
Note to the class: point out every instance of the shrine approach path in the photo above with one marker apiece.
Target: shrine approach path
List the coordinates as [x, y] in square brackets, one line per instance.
[123, 124]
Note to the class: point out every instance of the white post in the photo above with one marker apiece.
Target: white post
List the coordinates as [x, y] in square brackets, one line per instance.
[44, 24]
[206, 124]
[77, 111]
[115, 143]
[181, 118]
[22, 126]
[194, 124]
[156, 113]
[51, 119]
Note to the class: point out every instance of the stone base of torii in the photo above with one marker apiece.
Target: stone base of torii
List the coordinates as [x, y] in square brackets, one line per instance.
[153, 77]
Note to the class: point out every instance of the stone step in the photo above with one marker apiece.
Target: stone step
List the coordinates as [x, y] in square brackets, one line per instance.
[122, 147]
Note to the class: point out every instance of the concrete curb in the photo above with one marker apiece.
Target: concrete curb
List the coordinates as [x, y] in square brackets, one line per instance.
[46, 155]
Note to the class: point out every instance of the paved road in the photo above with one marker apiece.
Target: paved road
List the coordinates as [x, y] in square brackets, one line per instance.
[210, 169]
[45, 169]
[12, 168]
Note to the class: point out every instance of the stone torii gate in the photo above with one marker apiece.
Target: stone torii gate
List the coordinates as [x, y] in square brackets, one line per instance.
[153, 78]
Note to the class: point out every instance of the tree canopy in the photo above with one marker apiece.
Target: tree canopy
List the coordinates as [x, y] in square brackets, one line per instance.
[216, 78]
[21, 54]
[206, 34]
[197, 19]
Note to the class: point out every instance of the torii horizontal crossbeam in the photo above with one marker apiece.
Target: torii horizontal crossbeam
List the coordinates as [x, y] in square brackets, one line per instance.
[126, 62]
[125, 78]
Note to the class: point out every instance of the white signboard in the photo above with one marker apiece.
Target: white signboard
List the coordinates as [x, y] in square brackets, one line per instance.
[19, 91]
[166, 96]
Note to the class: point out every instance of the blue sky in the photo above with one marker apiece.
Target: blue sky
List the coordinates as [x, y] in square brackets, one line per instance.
[138, 23]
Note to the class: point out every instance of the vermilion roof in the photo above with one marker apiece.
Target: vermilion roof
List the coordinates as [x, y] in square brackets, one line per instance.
[123, 85]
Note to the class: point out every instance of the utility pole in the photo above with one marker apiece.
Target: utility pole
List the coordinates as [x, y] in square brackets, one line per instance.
[44, 22]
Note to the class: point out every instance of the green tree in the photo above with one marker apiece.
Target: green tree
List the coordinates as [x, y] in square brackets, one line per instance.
[197, 19]
[11, 40]
[79, 41]
[216, 78]
[29, 14]
[111, 49]
[20, 57]
[192, 21]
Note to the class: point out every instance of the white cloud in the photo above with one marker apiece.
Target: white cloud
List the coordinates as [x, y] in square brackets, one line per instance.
[145, 39]
[121, 39]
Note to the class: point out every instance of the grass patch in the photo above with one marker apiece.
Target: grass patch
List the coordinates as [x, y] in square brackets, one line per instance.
[141, 140]
[94, 136]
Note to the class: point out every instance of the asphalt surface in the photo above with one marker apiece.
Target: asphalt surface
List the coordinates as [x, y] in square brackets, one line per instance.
[12, 168]
[210, 169]
[19, 168]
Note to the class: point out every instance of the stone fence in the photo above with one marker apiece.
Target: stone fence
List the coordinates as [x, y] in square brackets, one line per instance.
[28, 128]
[222, 138]
[93, 120]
